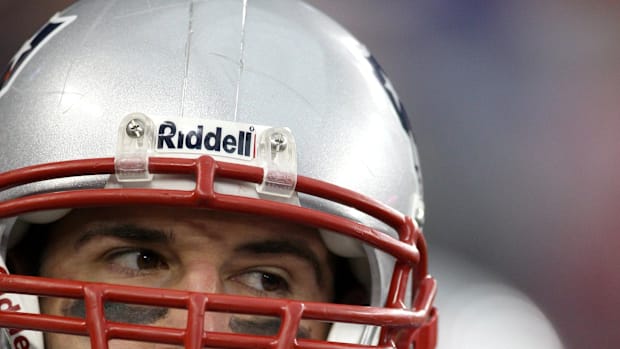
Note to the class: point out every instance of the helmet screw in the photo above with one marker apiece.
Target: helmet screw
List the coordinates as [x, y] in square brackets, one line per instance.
[135, 128]
[278, 142]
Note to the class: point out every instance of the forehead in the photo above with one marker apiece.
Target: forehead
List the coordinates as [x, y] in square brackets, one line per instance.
[184, 222]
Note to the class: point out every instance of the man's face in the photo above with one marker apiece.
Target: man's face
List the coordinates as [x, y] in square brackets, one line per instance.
[185, 249]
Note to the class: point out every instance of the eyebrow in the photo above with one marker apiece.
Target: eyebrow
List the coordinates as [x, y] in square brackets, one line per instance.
[129, 232]
[295, 248]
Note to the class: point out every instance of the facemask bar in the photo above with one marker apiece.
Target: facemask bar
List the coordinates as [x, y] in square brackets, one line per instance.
[400, 326]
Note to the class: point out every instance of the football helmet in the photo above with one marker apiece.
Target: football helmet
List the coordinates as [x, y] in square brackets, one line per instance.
[258, 107]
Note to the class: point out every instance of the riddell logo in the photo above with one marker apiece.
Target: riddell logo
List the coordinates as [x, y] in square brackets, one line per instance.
[15, 336]
[222, 139]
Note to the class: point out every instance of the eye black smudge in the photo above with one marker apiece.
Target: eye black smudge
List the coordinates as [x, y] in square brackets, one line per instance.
[142, 315]
[265, 327]
[120, 312]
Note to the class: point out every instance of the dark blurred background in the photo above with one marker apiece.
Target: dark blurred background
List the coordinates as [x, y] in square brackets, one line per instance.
[516, 110]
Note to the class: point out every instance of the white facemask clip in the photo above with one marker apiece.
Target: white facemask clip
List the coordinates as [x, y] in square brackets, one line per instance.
[135, 145]
[277, 155]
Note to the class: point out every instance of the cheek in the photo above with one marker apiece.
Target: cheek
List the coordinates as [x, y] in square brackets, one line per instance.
[63, 341]
[51, 306]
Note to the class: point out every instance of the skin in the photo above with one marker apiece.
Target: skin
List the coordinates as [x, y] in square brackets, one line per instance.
[185, 249]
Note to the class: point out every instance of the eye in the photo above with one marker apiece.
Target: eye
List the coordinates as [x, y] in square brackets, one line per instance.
[264, 282]
[137, 260]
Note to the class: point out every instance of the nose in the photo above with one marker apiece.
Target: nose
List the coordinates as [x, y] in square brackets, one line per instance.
[202, 278]
[199, 277]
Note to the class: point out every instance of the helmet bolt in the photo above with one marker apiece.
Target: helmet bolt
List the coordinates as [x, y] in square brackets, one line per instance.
[278, 142]
[135, 128]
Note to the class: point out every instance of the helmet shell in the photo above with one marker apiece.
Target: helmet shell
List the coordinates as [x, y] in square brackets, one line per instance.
[280, 63]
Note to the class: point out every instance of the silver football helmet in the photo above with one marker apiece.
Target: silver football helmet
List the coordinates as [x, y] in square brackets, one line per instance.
[263, 107]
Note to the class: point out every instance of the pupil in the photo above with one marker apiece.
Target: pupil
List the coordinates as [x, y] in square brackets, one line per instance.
[146, 261]
[271, 282]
